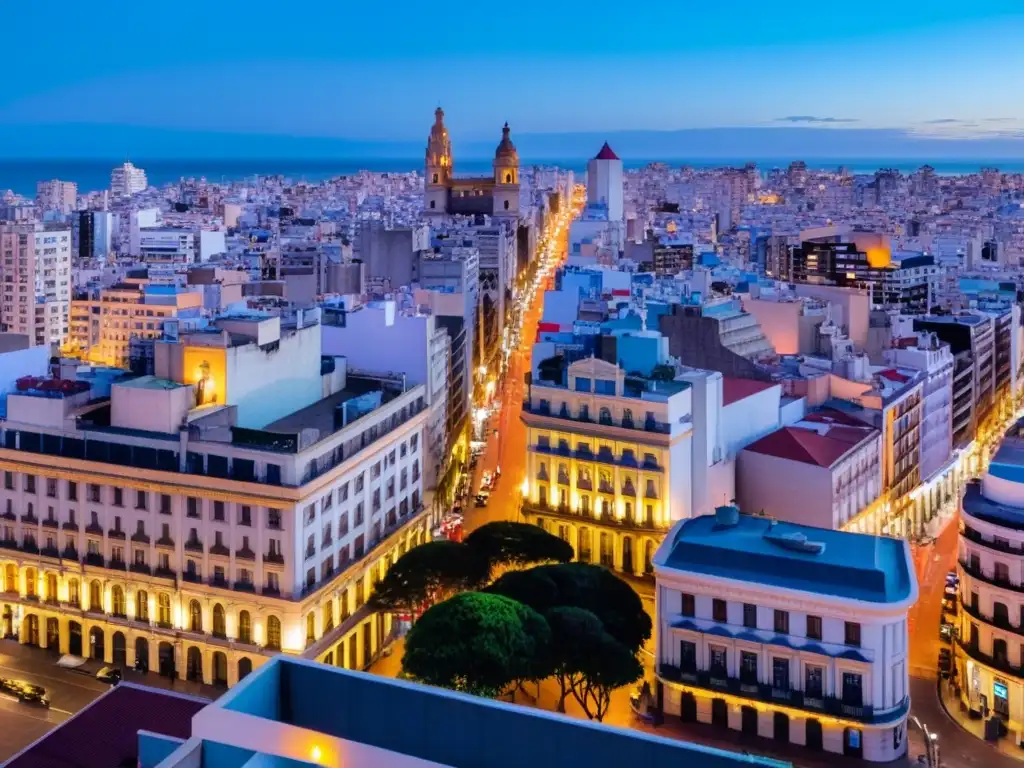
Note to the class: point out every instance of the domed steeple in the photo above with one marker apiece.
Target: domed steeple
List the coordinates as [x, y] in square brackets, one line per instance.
[506, 154]
[439, 144]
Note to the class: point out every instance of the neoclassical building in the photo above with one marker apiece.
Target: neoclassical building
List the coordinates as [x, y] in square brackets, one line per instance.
[448, 194]
[608, 463]
[240, 504]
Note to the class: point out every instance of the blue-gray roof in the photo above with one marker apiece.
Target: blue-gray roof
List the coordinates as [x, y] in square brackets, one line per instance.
[854, 566]
[976, 505]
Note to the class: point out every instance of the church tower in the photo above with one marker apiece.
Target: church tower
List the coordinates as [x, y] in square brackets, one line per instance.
[438, 167]
[506, 177]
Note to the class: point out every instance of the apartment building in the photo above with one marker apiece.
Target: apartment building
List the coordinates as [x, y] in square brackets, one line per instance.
[36, 272]
[127, 180]
[608, 465]
[105, 321]
[57, 195]
[988, 652]
[240, 503]
[787, 632]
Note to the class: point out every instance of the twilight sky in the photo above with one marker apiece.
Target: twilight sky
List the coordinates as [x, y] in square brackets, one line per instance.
[375, 71]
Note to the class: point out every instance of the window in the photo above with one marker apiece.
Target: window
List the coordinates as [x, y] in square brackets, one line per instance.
[192, 507]
[9, 481]
[310, 627]
[218, 511]
[118, 497]
[273, 586]
[780, 673]
[814, 627]
[688, 605]
[117, 601]
[719, 611]
[273, 633]
[195, 616]
[163, 609]
[95, 596]
[274, 519]
[1002, 574]
[245, 515]
[750, 616]
[141, 500]
[30, 484]
[165, 504]
[813, 682]
[852, 633]
[95, 494]
[310, 546]
[141, 605]
[748, 668]
[219, 621]
[72, 491]
[244, 627]
[687, 656]
[51, 488]
[782, 622]
[73, 597]
[852, 692]
[718, 660]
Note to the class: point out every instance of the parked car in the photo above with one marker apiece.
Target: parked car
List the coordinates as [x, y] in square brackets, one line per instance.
[952, 578]
[485, 480]
[482, 498]
[110, 675]
[950, 590]
[946, 632]
[27, 693]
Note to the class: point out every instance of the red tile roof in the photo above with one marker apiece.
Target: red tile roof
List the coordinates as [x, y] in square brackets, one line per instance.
[734, 388]
[807, 446]
[893, 375]
[106, 733]
[606, 153]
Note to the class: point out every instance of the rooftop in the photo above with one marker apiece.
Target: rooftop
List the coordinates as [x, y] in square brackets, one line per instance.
[761, 551]
[106, 733]
[150, 382]
[279, 711]
[821, 447]
[735, 388]
[606, 153]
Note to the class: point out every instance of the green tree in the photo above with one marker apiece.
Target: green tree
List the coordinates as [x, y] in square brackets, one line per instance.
[580, 585]
[478, 643]
[518, 544]
[429, 573]
[605, 664]
[572, 630]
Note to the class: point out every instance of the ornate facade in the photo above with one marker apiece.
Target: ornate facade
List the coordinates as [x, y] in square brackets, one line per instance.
[447, 194]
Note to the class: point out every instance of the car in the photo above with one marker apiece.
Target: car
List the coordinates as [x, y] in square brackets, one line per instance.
[952, 578]
[27, 693]
[110, 675]
[482, 498]
[950, 590]
[946, 632]
[486, 479]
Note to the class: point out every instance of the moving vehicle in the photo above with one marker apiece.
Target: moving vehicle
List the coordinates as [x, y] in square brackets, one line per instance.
[27, 693]
[952, 578]
[110, 675]
[482, 498]
[950, 590]
[486, 479]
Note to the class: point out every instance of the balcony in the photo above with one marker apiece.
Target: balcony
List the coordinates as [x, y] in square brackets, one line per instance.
[977, 573]
[140, 537]
[270, 591]
[30, 547]
[30, 519]
[116, 533]
[94, 558]
[192, 577]
[140, 568]
[50, 552]
[769, 694]
[164, 573]
[69, 553]
[117, 564]
[70, 526]
[244, 586]
[245, 554]
[273, 557]
[165, 541]
[219, 550]
[51, 522]
[94, 528]
[194, 546]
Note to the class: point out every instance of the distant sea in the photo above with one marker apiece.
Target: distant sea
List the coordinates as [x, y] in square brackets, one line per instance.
[21, 176]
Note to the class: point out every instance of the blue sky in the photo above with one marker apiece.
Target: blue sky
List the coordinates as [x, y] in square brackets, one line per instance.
[376, 70]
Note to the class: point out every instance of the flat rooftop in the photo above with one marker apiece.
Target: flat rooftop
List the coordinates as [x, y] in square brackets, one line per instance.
[149, 382]
[291, 709]
[853, 566]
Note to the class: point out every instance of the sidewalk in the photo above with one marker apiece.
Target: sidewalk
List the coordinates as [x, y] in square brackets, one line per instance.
[976, 728]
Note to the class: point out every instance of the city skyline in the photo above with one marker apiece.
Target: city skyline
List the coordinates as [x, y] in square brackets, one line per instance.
[878, 74]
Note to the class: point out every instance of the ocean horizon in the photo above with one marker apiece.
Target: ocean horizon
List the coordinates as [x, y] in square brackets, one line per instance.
[22, 175]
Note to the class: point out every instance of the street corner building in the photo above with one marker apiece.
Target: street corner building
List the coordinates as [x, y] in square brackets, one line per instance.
[239, 503]
[988, 672]
[787, 632]
[292, 712]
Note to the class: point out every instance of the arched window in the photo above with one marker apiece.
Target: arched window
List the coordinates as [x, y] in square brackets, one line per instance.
[508, 178]
[95, 595]
[11, 578]
[30, 582]
[117, 601]
[435, 182]
[328, 616]
[273, 633]
[506, 205]
[605, 416]
[73, 594]
[219, 624]
[244, 627]
[310, 627]
[51, 587]
[195, 616]
[163, 609]
[141, 605]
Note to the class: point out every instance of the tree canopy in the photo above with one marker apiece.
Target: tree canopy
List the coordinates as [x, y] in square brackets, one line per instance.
[428, 573]
[518, 544]
[478, 643]
[581, 585]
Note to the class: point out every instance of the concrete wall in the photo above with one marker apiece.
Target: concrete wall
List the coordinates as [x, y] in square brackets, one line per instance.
[33, 361]
[156, 409]
[850, 308]
[769, 484]
[780, 322]
[377, 339]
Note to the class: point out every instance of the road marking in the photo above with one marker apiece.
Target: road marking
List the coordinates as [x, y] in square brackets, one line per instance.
[70, 680]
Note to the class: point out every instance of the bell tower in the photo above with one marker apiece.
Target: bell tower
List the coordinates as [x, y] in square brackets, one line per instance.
[506, 177]
[438, 167]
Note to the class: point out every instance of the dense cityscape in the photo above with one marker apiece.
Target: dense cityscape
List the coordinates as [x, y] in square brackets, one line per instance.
[718, 465]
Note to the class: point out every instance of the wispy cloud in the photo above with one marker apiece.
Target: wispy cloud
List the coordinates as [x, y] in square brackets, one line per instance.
[811, 120]
[1000, 119]
[942, 121]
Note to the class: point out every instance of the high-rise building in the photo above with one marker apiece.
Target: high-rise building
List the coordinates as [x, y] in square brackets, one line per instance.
[127, 180]
[604, 182]
[36, 269]
[57, 195]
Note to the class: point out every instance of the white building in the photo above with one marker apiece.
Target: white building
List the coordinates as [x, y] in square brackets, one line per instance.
[989, 654]
[241, 502]
[127, 180]
[604, 182]
[786, 631]
[37, 281]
